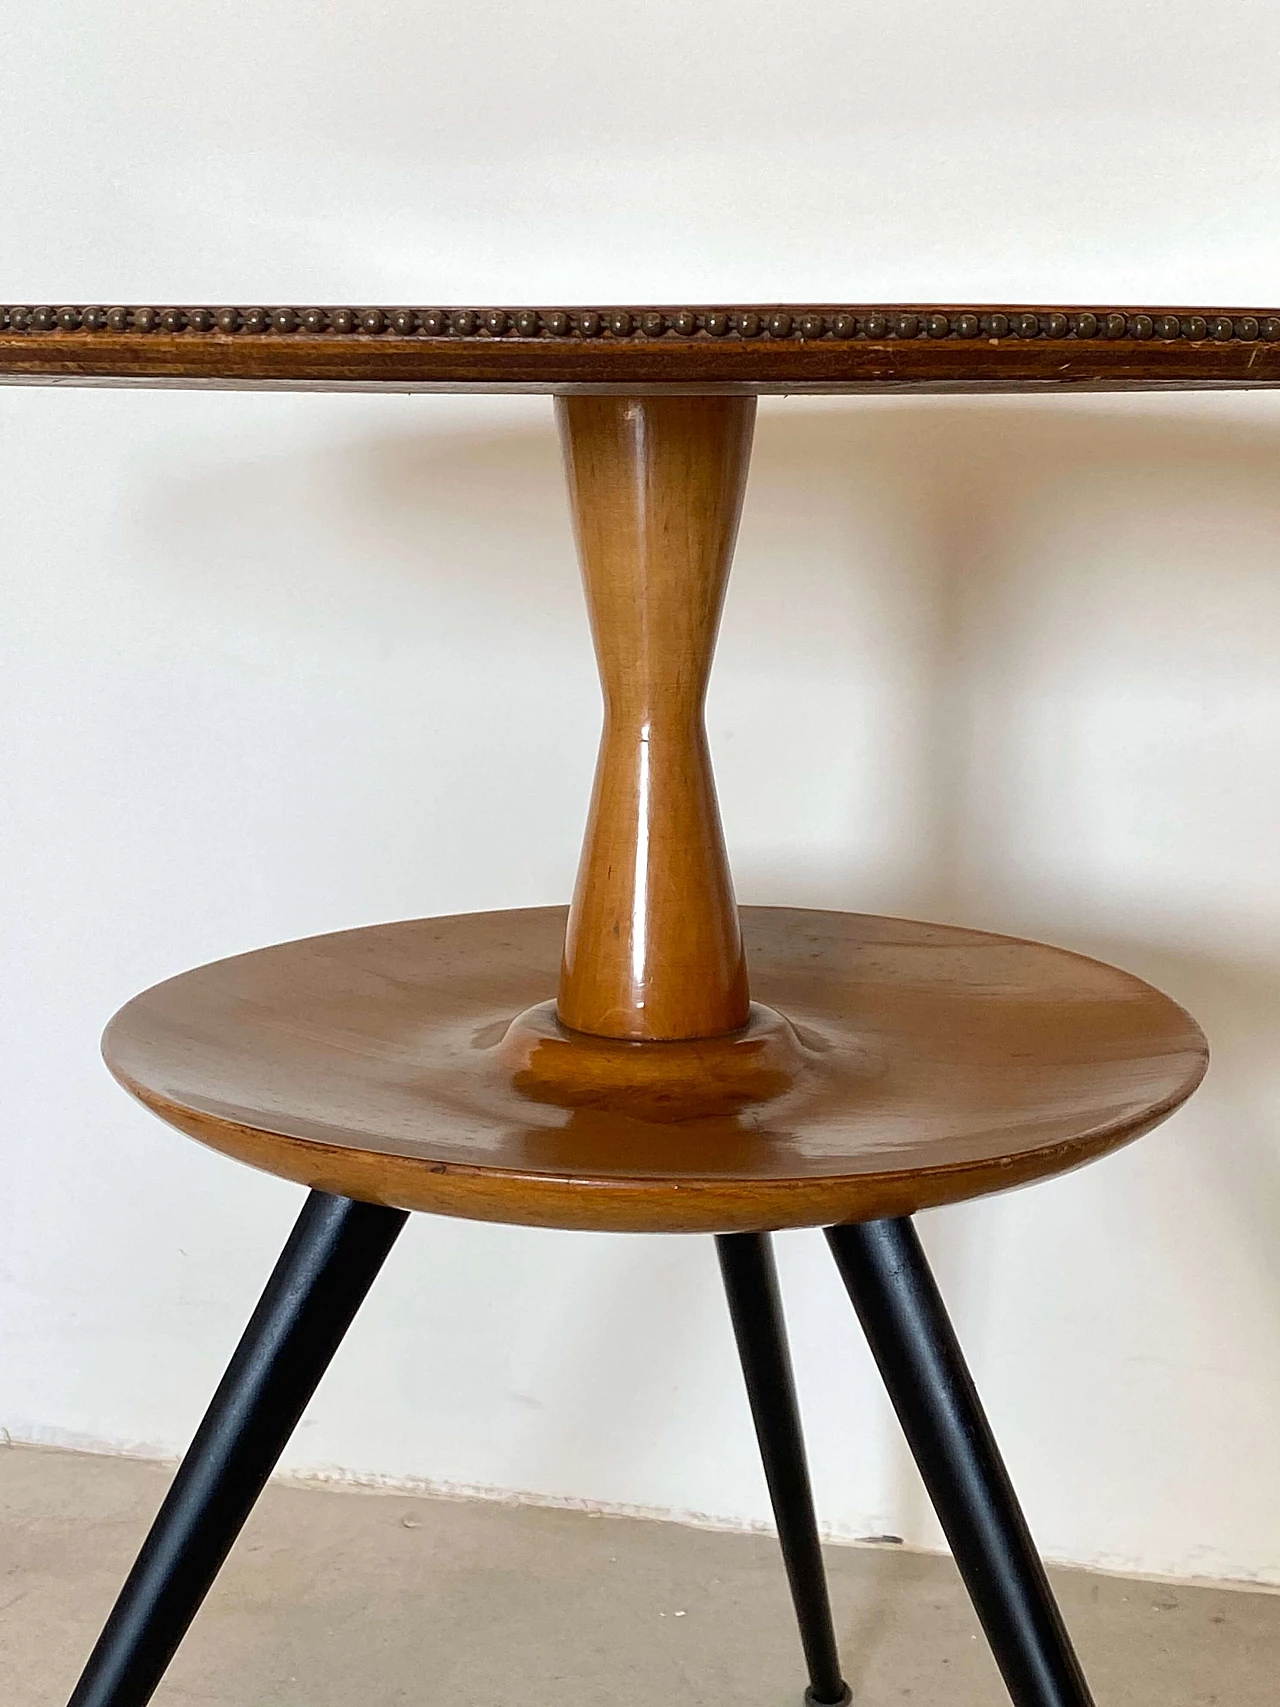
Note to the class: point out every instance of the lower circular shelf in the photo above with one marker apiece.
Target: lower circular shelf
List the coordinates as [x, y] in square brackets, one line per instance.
[888, 1066]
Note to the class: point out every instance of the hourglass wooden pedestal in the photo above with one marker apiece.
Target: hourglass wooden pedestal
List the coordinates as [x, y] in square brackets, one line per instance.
[655, 1059]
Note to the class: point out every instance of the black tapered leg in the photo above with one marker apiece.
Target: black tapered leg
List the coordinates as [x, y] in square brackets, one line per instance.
[902, 1313]
[755, 1304]
[324, 1272]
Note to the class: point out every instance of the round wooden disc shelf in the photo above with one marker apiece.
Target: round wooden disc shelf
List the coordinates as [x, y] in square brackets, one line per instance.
[651, 1058]
[409, 1064]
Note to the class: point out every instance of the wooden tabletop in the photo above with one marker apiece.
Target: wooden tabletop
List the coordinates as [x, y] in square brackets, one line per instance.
[821, 347]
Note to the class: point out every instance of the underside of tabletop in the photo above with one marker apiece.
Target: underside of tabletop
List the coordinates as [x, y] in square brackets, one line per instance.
[761, 348]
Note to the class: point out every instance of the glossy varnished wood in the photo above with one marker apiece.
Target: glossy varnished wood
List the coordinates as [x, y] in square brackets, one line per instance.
[653, 948]
[925, 1065]
[880, 1067]
[821, 347]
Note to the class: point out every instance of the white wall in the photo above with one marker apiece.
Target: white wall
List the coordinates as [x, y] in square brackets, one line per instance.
[274, 665]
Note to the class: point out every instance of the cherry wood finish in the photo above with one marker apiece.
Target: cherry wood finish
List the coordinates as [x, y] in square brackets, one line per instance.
[653, 949]
[881, 1067]
[884, 1067]
[756, 348]
[926, 1065]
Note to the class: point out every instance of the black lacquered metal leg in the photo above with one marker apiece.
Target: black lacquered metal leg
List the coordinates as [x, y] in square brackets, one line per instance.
[755, 1304]
[912, 1340]
[324, 1272]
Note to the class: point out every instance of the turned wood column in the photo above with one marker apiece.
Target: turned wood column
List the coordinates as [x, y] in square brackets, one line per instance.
[653, 949]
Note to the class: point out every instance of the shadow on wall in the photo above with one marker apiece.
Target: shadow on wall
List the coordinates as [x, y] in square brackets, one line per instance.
[1048, 630]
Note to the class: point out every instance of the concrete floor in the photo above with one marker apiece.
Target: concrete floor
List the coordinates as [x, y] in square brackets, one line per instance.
[345, 1599]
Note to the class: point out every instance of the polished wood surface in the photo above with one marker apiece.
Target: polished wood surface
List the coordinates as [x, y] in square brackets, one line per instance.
[653, 948]
[415, 1064]
[876, 1067]
[754, 348]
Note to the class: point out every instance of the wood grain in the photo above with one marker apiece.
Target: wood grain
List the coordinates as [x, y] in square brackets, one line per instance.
[884, 1067]
[928, 1065]
[817, 347]
[653, 948]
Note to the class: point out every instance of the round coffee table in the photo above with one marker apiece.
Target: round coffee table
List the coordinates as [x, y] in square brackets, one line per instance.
[651, 1058]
